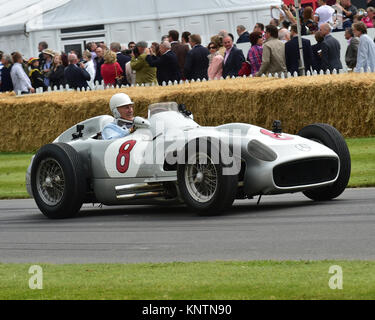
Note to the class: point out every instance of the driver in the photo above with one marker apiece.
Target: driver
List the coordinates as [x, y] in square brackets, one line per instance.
[122, 109]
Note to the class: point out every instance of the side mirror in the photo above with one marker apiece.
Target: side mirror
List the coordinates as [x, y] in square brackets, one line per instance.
[141, 123]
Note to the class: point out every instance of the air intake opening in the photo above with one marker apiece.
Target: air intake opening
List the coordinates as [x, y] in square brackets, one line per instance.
[306, 172]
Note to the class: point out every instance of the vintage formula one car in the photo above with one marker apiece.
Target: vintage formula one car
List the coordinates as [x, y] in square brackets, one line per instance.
[171, 158]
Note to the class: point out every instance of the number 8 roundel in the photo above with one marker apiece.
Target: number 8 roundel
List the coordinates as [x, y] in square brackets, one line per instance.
[123, 158]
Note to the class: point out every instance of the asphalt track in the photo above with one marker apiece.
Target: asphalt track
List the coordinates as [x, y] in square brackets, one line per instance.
[288, 227]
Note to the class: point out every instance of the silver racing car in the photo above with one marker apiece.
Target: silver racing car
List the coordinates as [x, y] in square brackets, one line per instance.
[171, 158]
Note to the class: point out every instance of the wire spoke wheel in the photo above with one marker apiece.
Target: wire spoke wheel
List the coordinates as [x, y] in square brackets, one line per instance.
[201, 178]
[58, 181]
[50, 181]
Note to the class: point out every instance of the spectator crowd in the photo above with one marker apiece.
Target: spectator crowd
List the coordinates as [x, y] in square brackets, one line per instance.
[274, 49]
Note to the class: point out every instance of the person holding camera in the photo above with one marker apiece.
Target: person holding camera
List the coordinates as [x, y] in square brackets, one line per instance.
[145, 73]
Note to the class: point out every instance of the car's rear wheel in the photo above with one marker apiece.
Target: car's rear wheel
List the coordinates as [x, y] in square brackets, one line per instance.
[331, 138]
[58, 181]
[202, 183]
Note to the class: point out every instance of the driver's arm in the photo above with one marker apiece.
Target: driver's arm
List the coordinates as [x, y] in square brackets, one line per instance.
[112, 132]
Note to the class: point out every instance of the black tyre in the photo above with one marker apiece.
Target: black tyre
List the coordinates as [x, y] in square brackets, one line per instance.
[331, 138]
[58, 181]
[204, 187]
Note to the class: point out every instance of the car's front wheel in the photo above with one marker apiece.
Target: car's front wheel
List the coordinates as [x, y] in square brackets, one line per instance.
[203, 185]
[57, 181]
[331, 138]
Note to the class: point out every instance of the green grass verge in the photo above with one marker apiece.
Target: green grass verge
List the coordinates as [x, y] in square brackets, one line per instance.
[189, 281]
[363, 162]
[13, 168]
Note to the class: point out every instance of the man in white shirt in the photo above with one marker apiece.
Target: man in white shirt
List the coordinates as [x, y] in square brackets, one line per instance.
[324, 14]
[21, 82]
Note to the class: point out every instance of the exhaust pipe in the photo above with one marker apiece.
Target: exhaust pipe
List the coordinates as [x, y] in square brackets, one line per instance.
[139, 191]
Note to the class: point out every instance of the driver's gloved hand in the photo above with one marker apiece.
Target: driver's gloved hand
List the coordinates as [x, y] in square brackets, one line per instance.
[132, 129]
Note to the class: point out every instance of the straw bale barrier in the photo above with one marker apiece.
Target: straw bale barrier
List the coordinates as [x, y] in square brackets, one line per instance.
[345, 101]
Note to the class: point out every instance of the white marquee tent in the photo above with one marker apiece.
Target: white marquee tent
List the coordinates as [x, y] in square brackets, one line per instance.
[77, 13]
[13, 19]
[70, 24]
[13, 16]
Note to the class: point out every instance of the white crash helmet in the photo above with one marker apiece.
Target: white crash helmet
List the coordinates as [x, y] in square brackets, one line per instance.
[119, 100]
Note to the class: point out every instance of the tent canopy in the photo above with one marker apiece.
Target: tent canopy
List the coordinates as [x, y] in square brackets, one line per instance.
[77, 13]
[14, 15]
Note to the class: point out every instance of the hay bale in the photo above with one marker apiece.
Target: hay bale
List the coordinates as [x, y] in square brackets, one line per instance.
[345, 101]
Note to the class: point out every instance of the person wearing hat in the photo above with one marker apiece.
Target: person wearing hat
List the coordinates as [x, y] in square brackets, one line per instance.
[122, 109]
[47, 66]
[36, 77]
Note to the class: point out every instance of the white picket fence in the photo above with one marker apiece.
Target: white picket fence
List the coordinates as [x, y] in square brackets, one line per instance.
[100, 86]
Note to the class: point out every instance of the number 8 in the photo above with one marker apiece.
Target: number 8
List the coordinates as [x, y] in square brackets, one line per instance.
[123, 159]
